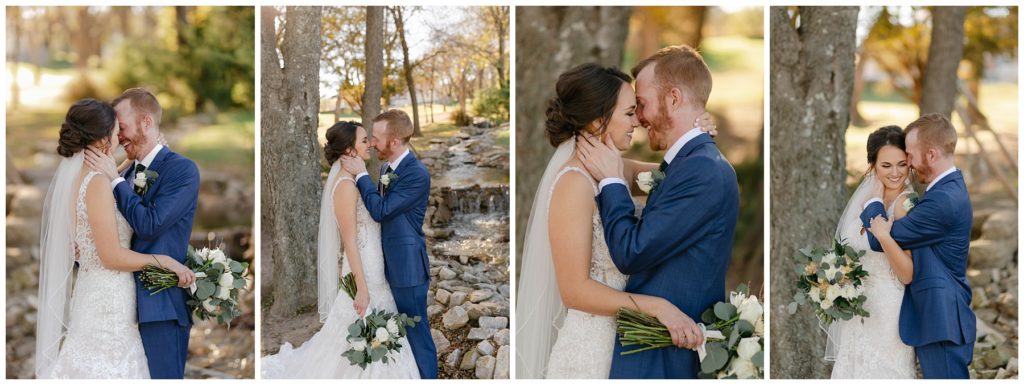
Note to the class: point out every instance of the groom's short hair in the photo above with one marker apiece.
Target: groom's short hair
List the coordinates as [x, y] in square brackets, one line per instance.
[398, 123]
[935, 131]
[679, 66]
[142, 102]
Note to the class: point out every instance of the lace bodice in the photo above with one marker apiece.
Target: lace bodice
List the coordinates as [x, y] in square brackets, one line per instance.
[103, 338]
[368, 239]
[585, 341]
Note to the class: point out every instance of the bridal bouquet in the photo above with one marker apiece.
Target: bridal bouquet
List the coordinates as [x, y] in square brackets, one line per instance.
[734, 338]
[375, 336]
[831, 282]
[214, 295]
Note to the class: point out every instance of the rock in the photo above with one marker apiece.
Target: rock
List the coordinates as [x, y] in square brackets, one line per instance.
[988, 315]
[991, 254]
[504, 291]
[502, 337]
[440, 341]
[485, 348]
[480, 295]
[469, 360]
[452, 361]
[493, 322]
[446, 274]
[978, 278]
[1001, 225]
[26, 202]
[988, 334]
[475, 311]
[433, 310]
[476, 334]
[457, 298]
[501, 367]
[442, 296]
[485, 367]
[995, 358]
[455, 318]
[1007, 304]
[22, 231]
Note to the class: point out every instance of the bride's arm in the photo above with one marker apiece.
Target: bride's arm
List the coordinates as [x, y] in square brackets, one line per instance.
[99, 202]
[345, 213]
[570, 233]
[901, 260]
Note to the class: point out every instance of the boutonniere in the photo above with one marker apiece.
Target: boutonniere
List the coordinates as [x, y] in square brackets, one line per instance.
[143, 180]
[911, 201]
[649, 180]
[387, 178]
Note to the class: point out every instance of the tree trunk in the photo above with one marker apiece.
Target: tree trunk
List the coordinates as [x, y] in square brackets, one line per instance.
[14, 20]
[291, 156]
[856, 118]
[812, 63]
[374, 77]
[499, 17]
[578, 35]
[939, 91]
[396, 13]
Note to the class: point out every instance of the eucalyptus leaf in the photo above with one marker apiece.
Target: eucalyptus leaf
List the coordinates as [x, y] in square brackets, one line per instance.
[204, 289]
[724, 310]
[716, 359]
[746, 329]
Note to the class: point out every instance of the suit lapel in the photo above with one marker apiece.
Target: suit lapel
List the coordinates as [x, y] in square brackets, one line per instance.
[951, 178]
[684, 152]
[156, 167]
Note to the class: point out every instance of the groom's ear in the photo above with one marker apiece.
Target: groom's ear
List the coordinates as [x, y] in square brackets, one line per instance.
[677, 98]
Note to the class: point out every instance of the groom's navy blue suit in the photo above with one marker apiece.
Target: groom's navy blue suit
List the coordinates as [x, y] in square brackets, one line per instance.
[400, 213]
[162, 224]
[679, 249]
[936, 317]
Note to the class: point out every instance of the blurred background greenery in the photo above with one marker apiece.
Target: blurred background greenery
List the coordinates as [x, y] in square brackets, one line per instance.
[199, 62]
[731, 40]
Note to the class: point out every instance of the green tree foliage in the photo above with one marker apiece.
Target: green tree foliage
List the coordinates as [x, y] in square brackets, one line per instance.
[493, 103]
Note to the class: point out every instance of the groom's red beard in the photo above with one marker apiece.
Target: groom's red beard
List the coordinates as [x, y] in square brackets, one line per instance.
[657, 126]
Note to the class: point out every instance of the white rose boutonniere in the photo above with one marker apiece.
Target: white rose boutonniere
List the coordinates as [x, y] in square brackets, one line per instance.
[911, 201]
[388, 178]
[143, 180]
[649, 180]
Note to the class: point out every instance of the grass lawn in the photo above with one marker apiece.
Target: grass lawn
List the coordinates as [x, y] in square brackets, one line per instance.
[227, 145]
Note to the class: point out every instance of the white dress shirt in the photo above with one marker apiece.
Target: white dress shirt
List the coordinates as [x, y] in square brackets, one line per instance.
[148, 160]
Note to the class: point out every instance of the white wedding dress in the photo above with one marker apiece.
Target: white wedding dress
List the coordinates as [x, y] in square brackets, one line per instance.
[585, 343]
[871, 347]
[320, 357]
[102, 339]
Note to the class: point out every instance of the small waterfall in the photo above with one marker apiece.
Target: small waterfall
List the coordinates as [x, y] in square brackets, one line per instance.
[478, 200]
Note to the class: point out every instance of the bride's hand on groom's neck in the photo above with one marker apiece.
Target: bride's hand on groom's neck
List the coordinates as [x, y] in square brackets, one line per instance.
[353, 164]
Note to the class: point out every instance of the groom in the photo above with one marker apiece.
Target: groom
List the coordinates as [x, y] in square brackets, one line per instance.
[679, 249]
[936, 317]
[398, 203]
[160, 209]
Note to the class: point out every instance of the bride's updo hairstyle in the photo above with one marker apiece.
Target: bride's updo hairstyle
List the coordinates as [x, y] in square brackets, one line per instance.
[341, 137]
[87, 121]
[583, 94]
[885, 136]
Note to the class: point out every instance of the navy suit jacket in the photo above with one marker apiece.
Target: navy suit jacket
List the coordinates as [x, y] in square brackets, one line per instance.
[162, 223]
[400, 213]
[679, 249]
[937, 302]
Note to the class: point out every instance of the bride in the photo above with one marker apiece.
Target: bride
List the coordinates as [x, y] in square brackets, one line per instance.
[871, 347]
[342, 211]
[569, 289]
[90, 329]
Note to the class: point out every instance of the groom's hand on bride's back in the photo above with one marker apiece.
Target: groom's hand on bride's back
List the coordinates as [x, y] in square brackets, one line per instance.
[353, 164]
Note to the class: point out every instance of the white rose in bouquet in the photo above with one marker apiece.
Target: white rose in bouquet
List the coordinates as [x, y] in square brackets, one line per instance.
[826, 304]
[359, 345]
[223, 292]
[218, 257]
[815, 294]
[759, 327]
[831, 258]
[226, 280]
[381, 335]
[743, 366]
[393, 327]
[210, 307]
[750, 310]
